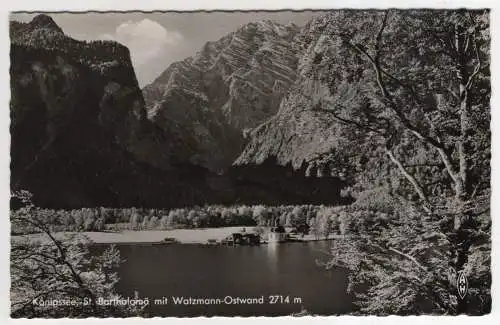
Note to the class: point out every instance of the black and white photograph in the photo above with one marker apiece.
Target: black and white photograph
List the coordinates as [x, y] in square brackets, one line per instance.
[248, 163]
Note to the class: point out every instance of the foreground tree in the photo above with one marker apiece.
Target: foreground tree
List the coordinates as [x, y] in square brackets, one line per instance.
[412, 88]
[47, 270]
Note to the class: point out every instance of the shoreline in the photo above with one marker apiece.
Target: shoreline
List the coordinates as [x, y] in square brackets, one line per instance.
[156, 237]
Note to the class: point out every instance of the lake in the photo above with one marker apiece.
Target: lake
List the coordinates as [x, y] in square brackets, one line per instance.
[225, 276]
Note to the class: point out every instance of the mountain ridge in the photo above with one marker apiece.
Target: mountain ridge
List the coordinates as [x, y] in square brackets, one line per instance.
[233, 84]
[79, 130]
[84, 134]
[298, 134]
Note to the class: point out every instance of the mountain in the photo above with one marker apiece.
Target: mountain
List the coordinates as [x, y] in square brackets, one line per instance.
[208, 102]
[79, 129]
[299, 135]
[84, 134]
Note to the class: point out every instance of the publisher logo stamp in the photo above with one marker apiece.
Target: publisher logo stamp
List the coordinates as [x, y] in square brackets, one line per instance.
[462, 284]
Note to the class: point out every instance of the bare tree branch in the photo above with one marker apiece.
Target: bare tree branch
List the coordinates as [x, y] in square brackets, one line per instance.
[63, 258]
[477, 67]
[348, 121]
[474, 38]
[411, 258]
[413, 181]
[393, 106]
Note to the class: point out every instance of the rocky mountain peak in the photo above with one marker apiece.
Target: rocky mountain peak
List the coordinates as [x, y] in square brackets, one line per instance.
[228, 87]
[297, 134]
[270, 28]
[96, 140]
[81, 107]
[45, 21]
[41, 27]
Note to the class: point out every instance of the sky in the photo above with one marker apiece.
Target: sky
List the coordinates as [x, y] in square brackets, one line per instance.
[157, 39]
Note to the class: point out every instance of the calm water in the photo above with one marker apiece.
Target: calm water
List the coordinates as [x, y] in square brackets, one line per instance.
[288, 270]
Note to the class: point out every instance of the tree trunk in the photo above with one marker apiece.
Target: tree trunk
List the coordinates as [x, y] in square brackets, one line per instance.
[416, 185]
[462, 187]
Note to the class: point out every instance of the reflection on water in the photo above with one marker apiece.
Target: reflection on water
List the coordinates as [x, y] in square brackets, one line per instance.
[249, 271]
[272, 256]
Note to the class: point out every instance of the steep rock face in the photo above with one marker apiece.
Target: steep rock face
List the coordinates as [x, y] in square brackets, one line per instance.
[79, 131]
[299, 135]
[81, 135]
[207, 102]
